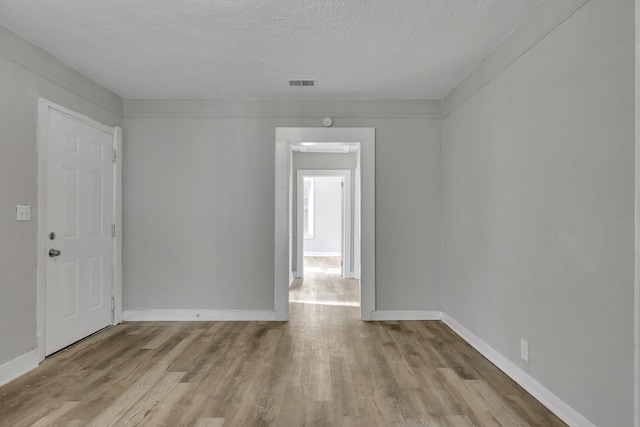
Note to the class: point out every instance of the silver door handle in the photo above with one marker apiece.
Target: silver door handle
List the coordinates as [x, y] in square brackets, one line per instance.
[54, 252]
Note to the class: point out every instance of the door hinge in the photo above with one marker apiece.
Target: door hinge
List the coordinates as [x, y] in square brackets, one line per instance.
[113, 155]
[113, 230]
[113, 303]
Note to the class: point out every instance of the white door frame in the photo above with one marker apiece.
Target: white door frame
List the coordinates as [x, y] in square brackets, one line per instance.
[285, 137]
[347, 217]
[44, 109]
[636, 279]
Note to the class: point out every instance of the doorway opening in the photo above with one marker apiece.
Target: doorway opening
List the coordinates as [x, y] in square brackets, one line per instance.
[362, 247]
[325, 224]
[326, 230]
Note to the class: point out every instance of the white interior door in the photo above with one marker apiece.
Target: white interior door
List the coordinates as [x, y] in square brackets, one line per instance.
[80, 212]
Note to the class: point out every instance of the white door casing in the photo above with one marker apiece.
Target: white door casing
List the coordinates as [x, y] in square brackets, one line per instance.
[356, 221]
[285, 137]
[79, 201]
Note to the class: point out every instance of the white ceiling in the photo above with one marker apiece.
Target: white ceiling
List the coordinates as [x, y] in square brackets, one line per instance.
[249, 49]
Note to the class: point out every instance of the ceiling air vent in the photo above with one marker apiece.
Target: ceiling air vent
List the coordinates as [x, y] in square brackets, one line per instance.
[300, 83]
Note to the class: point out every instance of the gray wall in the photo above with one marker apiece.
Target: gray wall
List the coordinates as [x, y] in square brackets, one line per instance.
[27, 73]
[199, 200]
[318, 161]
[538, 178]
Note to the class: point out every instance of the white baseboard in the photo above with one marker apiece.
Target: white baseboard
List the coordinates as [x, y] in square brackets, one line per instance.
[388, 315]
[311, 253]
[203, 315]
[526, 381]
[18, 366]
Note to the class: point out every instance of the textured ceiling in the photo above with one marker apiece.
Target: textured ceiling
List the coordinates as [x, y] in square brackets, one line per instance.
[247, 49]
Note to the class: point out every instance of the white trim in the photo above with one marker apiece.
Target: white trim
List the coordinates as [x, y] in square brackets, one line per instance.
[199, 315]
[636, 305]
[282, 227]
[44, 108]
[347, 219]
[117, 220]
[43, 151]
[356, 220]
[390, 315]
[526, 381]
[321, 254]
[40, 345]
[18, 366]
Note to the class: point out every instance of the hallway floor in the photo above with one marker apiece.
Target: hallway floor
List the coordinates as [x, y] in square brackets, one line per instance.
[323, 284]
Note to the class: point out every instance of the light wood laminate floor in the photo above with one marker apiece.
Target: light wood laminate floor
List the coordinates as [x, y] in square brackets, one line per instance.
[322, 368]
[323, 284]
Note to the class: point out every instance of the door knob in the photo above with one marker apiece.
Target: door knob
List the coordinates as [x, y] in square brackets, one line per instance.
[54, 252]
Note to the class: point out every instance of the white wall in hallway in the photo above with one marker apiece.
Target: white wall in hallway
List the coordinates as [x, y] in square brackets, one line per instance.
[327, 217]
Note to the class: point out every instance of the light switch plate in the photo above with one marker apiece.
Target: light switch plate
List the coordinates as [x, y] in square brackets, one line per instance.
[23, 212]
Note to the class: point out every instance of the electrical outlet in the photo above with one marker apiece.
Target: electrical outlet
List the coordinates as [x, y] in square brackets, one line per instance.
[524, 350]
[23, 212]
